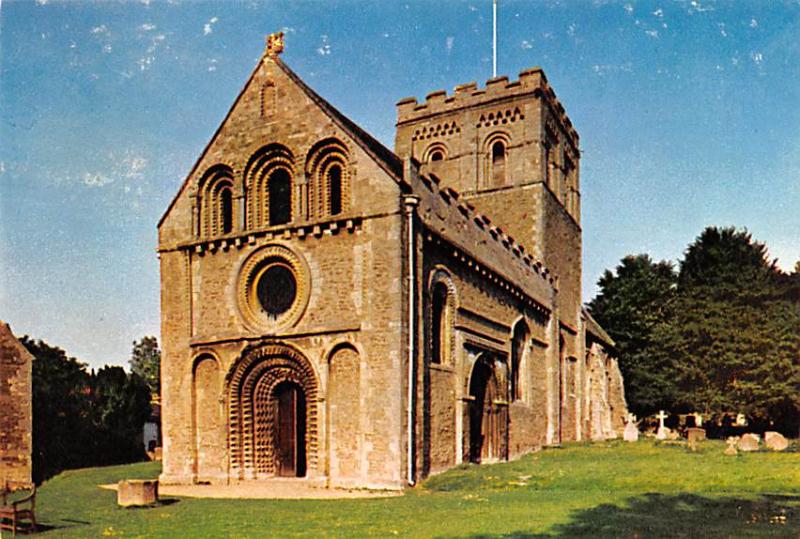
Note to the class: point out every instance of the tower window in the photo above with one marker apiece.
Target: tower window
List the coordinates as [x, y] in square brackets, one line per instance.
[437, 155]
[498, 153]
[280, 197]
[335, 189]
[226, 209]
[498, 162]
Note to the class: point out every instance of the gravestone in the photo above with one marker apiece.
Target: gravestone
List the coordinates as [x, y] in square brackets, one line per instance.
[775, 441]
[695, 435]
[731, 449]
[663, 432]
[748, 442]
[631, 433]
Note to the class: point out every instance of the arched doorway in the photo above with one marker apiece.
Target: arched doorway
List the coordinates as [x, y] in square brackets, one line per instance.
[487, 417]
[272, 414]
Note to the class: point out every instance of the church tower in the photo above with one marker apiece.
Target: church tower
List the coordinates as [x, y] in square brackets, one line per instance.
[510, 150]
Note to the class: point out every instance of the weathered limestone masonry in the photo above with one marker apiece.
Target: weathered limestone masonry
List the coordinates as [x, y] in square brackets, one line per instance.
[335, 311]
[16, 413]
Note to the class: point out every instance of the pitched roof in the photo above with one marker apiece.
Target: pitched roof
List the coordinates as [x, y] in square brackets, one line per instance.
[385, 157]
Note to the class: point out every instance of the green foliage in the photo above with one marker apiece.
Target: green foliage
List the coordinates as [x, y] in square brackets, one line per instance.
[725, 340]
[633, 304]
[146, 362]
[603, 490]
[62, 424]
[81, 418]
[121, 406]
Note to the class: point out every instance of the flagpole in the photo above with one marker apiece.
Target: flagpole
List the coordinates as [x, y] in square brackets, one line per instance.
[494, 38]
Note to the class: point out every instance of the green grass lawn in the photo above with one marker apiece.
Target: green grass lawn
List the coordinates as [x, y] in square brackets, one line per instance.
[601, 490]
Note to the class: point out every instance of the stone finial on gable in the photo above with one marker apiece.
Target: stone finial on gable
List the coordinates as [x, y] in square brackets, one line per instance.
[275, 44]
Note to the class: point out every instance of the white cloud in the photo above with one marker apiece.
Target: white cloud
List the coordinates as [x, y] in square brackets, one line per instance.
[659, 13]
[102, 29]
[571, 29]
[288, 29]
[449, 43]
[208, 27]
[325, 48]
[149, 57]
[107, 48]
[628, 8]
[757, 57]
[41, 2]
[652, 33]
[526, 44]
[696, 6]
[606, 69]
[2, 167]
[96, 179]
[753, 23]
[722, 31]
[128, 167]
[147, 27]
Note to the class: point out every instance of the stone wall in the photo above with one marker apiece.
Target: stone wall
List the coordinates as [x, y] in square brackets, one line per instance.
[16, 419]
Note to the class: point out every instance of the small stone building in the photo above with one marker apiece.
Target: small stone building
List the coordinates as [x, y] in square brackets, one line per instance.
[357, 316]
[16, 411]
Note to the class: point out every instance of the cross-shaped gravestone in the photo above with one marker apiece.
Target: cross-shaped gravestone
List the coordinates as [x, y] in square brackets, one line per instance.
[663, 432]
[661, 417]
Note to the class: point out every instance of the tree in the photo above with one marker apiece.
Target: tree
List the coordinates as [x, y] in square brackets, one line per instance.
[735, 335]
[146, 362]
[723, 336]
[121, 406]
[81, 418]
[632, 305]
[62, 428]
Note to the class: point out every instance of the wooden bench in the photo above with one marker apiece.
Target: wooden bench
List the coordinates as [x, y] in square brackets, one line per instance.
[17, 507]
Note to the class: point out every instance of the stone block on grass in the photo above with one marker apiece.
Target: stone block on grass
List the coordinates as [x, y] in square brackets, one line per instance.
[137, 492]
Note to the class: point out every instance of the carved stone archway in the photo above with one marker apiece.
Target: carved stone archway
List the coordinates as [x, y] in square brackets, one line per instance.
[252, 405]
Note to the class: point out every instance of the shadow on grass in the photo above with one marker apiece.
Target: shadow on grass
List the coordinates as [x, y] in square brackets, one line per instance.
[161, 502]
[683, 515]
[65, 523]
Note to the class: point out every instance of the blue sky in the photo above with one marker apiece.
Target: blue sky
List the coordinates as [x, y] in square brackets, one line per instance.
[688, 111]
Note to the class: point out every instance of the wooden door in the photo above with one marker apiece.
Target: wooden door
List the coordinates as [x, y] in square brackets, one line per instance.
[489, 423]
[290, 431]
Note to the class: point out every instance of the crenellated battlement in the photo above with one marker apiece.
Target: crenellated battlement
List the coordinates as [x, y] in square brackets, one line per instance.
[531, 82]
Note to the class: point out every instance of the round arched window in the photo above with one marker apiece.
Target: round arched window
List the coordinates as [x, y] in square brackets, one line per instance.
[437, 155]
[273, 288]
[276, 288]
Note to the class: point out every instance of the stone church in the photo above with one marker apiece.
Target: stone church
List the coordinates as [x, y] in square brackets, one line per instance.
[359, 317]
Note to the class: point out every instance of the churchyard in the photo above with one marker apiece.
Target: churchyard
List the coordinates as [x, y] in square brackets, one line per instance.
[609, 489]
